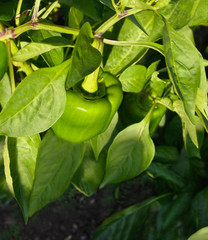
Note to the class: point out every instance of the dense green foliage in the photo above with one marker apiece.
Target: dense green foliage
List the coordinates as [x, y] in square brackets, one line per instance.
[99, 92]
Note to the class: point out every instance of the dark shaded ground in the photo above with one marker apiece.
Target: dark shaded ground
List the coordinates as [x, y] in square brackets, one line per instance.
[73, 216]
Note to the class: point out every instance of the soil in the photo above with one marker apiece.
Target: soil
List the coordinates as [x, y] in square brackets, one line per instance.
[73, 216]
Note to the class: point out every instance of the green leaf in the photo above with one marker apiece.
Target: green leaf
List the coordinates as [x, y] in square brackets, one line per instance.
[55, 56]
[200, 15]
[151, 69]
[200, 234]
[85, 58]
[201, 98]
[188, 127]
[36, 104]
[130, 153]
[75, 17]
[22, 154]
[157, 85]
[123, 56]
[171, 213]
[35, 49]
[182, 60]
[99, 142]
[107, 3]
[161, 3]
[180, 12]
[91, 8]
[90, 173]
[133, 78]
[56, 164]
[5, 90]
[162, 171]
[187, 32]
[4, 191]
[7, 10]
[136, 4]
[126, 223]
[200, 207]
[166, 154]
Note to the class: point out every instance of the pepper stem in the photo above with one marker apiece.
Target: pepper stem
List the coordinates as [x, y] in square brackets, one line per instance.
[90, 83]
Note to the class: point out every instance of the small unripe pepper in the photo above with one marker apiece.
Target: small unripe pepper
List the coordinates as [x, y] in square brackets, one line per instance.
[84, 117]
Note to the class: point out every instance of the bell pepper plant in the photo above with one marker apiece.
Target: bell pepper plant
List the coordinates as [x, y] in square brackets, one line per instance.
[117, 83]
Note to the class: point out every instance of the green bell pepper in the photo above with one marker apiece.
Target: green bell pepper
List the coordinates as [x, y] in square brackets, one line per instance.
[3, 59]
[85, 118]
[135, 107]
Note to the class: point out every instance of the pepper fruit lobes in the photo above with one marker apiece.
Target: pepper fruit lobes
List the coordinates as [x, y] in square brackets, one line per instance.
[84, 118]
[135, 107]
[3, 59]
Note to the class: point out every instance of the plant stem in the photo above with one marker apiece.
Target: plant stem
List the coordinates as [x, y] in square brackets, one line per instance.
[15, 32]
[35, 11]
[17, 18]
[11, 70]
[114, 19]
[90, 83]
[155, 46]
[57, 28]
[49, 10]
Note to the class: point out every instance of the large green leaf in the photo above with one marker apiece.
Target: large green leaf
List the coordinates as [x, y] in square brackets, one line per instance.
[37, 103]
[200, 234]
[22, 153]
[130, 153]
[128, 223]
[133, 78]
[37, 48]
[99, 142]
[85, 58]
[56, 164]
[122, 57]
[90, 173]
[182, 60]
[180, 12]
